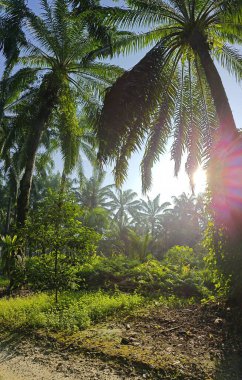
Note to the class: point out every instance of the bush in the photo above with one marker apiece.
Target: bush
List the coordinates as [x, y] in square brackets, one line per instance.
[57, 243]
[181, 272]
[42, 274]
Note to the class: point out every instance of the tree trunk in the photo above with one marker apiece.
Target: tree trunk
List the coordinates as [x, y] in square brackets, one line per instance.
[225, 169]
[225, 176]
[8, 216]
[45, 102]
[225, 116]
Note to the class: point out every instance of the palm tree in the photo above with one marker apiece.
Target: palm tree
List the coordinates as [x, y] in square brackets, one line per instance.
[13, 132]
[139, 246]
[58, 51]
[122, 204]
[151, 211]
[181, 224]
[176, 89]
[92, 193]
[12, 37]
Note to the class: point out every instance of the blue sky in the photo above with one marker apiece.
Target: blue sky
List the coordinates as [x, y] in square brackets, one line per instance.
[163, 179]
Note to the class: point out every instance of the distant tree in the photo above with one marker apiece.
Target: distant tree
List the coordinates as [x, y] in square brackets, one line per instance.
[180, 224]
[92, 193]
[151, 212]
[121, 204]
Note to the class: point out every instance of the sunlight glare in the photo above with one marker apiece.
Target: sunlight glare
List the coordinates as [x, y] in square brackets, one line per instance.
[200, 180]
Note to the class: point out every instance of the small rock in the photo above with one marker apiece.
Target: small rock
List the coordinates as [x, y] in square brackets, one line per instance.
[218, 321]
[59, 366]
[177, 362]
[128, 327]
[125, 341]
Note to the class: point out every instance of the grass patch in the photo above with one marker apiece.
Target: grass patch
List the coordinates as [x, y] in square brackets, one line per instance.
[74, 310]
[3, 282]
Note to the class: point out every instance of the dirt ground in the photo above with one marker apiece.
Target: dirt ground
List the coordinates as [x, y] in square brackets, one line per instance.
[21, 359]
[196, 342]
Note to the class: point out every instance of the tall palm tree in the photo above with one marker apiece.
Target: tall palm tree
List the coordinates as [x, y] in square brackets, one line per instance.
[121, 204]
[12, 36]
[13, 131]
[152, 211]
[92, 193]
[57, 50]
[176, 89]
[181, 224]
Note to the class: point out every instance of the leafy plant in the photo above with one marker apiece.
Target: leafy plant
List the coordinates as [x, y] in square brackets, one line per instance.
[55, 234]
[12, 262]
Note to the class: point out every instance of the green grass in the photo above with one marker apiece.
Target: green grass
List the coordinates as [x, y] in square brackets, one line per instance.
[3, 282]
[74, 310]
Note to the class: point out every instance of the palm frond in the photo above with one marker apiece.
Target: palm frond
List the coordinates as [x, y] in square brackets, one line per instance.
[128, 103]
[231, 59]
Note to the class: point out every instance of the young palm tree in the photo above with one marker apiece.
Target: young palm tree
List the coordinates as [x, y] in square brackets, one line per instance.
[58, 51]
[176, 89]
[152, 211]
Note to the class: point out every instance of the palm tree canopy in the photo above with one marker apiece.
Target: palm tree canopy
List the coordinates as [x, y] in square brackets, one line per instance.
[151, 211]
[122, 203]
[175, 90]
[57, 49]
[153, 208]
[60, 54]
[12, 37]
[92, 193]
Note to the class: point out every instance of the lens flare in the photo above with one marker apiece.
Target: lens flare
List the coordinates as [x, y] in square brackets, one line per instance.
[200, 180]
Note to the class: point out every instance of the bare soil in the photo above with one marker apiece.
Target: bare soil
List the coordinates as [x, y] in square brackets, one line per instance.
[195, 342]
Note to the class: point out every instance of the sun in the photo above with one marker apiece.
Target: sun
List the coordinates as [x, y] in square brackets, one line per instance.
[200, 180]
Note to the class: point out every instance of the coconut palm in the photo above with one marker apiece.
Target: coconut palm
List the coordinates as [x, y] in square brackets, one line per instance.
[175, 90]
[151, 211]
[57, 50]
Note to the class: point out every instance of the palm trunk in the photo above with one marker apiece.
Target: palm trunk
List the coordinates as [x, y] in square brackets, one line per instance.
[225, 116]
[47, 98]
[226, 158]
[225, 175]
[63, 182]
[8, 216]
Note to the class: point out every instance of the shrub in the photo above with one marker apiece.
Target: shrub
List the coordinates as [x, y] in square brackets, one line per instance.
[181, 272]
[43, 273]
[58, 242]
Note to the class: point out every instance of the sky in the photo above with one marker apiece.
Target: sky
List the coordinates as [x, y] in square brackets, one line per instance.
[164, 181]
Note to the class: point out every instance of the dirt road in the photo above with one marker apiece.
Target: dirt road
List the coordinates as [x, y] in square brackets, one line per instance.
[21, 360]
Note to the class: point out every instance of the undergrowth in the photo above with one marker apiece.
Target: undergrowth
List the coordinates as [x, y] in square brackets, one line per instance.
[3, 282]
[74, 310]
